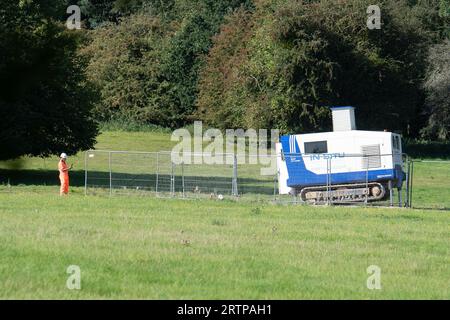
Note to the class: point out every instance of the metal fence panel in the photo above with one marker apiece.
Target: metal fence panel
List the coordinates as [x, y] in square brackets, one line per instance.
[97, 174]
[115, 172]
[227, 176]
[133, 172]
[207, 176]
[257, 178]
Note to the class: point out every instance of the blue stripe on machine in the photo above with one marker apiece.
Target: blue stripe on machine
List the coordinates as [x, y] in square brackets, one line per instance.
[299, 176]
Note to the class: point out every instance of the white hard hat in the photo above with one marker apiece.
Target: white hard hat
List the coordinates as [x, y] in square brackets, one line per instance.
[63, 155]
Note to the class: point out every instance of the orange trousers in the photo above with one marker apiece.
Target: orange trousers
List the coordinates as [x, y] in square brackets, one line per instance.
[64, 179]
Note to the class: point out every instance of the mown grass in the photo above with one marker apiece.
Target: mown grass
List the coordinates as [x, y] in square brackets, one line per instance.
[110, 140]
[150, 248]
[431, 185]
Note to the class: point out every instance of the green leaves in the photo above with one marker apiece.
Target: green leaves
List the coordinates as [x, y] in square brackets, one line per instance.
[153, 77]
[301, 57]
[45, 101]
[437, 87]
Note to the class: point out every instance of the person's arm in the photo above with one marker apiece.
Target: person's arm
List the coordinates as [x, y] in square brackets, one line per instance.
[65, 169]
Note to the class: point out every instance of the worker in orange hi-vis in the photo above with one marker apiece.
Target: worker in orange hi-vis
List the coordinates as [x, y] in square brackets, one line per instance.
[64, 174]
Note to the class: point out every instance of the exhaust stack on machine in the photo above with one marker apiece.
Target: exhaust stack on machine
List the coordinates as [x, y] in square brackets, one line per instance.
[343, 118]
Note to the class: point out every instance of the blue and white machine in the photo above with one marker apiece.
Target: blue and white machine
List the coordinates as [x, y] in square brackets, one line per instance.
[345, 165]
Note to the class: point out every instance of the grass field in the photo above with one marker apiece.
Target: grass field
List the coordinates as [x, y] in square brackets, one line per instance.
[135, 248]
[151, 248]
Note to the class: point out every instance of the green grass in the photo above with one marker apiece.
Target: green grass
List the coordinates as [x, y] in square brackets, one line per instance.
[134, 248]
[111, 140]
[431, 185]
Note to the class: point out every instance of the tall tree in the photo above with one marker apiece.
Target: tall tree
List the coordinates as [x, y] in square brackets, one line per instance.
[98, 12]
[153, 77]
[302, 56]
[45, 102]
[437, 86]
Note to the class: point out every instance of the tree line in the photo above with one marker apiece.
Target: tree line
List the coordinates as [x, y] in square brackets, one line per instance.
[231, 63]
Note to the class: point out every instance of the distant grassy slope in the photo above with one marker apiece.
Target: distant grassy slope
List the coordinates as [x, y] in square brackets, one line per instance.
[135, 248]
[111, 140]
[43, 171]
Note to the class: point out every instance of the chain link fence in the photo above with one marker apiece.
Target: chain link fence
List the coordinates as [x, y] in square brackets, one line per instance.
[426, 185]
[346, 179]
[250, 177]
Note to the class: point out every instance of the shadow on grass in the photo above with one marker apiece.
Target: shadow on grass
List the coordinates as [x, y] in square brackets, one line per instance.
[195, 184]
[419, 207]
[205, 184]
[38, 177]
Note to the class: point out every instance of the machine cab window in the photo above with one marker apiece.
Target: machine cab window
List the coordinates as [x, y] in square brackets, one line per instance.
[396, 142]
[316, 147]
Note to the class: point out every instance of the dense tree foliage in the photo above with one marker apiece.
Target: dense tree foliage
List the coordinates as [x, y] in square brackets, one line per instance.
[222, 98]
[45, 103]
[98, 12]
[232, 63]
[437, 86]
[296, 58]
[147, 65]
[125, 66]
[265, 63]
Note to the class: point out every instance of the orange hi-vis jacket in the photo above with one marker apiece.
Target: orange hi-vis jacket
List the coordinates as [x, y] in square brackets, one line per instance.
[63, 177]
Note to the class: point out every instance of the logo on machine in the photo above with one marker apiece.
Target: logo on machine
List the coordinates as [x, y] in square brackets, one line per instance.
[293, 145]
[294, 150]
[295, 154]
[326, 156]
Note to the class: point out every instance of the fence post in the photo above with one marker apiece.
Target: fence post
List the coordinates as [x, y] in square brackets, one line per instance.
[367, 180]
[275, 180]
[85, 172]
[157, 172]
[411, 175]
[172, 179]
[234, 187]
[110, 174]
[391, 194]
[328, 180]
[399, 191]
[408, 165]
[182, 177]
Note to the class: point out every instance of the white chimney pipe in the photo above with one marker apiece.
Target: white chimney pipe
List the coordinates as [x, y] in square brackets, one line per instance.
[343, 118]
